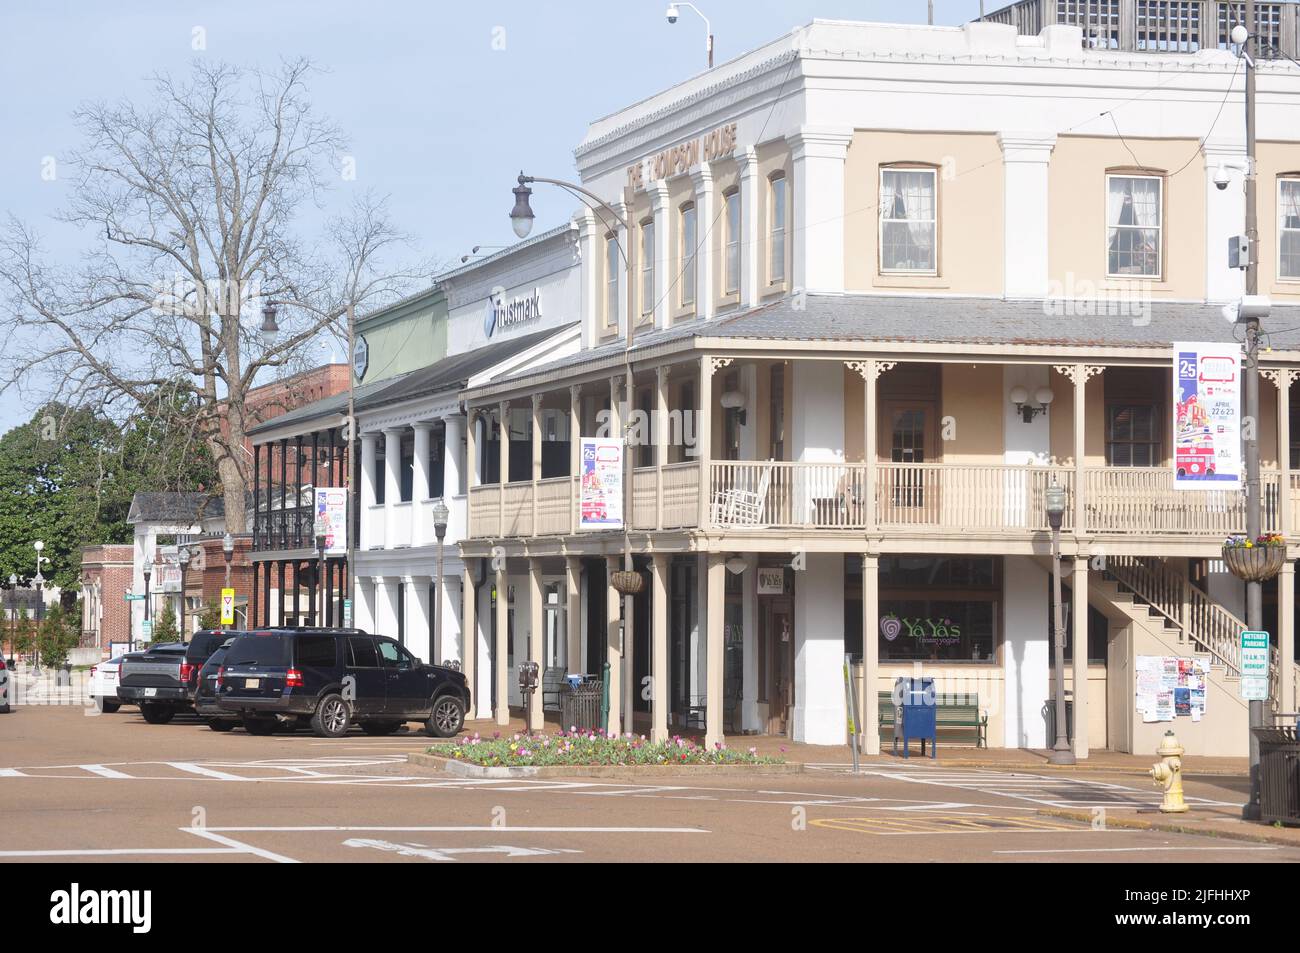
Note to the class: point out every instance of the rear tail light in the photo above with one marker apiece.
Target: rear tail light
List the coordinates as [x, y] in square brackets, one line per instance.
[187, 672]
[221, 675]
[293, 679]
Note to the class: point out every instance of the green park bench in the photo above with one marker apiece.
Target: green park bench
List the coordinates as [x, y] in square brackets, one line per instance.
[952, 713]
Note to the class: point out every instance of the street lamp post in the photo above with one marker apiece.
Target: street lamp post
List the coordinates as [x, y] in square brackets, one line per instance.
[440, 516]
[318, 618]
[521, 218]
[38, 584]
[13, 615]
[1056, 501]
[228, 553]
[147, 570]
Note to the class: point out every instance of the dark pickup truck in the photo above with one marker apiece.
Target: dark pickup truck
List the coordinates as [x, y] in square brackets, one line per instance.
[163, 680]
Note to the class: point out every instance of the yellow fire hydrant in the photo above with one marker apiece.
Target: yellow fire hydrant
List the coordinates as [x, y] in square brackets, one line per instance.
[1169, 772]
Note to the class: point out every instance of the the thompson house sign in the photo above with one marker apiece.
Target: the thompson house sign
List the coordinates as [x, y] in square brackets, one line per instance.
[502, 315]
[714, 144]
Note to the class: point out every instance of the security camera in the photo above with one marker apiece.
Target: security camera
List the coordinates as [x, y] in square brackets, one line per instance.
[671, 13]
[1221, 178]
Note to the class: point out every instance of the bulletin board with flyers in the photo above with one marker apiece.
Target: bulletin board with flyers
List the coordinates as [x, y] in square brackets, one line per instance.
[1172, 686]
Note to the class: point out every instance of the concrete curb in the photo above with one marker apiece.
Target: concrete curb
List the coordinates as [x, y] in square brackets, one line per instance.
[641, 772]
[1252, 834]
[1142, 772]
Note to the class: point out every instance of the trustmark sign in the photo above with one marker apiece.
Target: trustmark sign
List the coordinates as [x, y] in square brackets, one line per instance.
[505, 315]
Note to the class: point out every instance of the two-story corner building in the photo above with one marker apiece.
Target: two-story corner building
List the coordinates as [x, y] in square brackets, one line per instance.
[896, 281]
[496, 315]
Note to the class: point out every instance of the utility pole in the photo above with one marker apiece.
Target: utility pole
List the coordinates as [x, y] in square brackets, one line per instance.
[349, 461]
[1254, 590]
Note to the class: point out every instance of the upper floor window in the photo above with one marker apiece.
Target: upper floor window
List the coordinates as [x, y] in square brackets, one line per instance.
[1133, 225]
[1132, 435]
[687, 277]
[611, 281]
[1288, 228]
[647, 267]
[908, 221]
[731, 258]
[776, 230]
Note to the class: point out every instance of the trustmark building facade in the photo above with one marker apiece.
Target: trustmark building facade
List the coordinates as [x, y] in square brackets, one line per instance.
[896, 281]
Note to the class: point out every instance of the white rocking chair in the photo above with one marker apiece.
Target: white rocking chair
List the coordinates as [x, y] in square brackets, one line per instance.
[736, 507]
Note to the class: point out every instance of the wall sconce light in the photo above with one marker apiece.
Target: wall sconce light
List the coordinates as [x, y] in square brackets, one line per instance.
[734, 400]
[736, 565]
[1020, 397]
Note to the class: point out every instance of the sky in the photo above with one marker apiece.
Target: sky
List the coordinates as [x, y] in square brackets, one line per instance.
[444, 103]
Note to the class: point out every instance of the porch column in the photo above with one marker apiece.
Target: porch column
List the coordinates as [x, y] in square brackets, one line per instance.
[659, 648]
[749, 244]
[613, 603]
[453, 429]
[369, 442]
[749, 641]
[704, 437]
[1283, 378]
[473, 477]
[714, 700]
[1079, 611]
[469, 638]
[870, 652]
[869, 370]
[386, 606]
[575, 453]
[1078, 375]
[702, 180]
[503, 463]
[661, 439]
[501, 651]
[419, 473]
[392, 481]
[536, 641]
[1286, 637]
[418, 628]
[536, 435]
[573, 617]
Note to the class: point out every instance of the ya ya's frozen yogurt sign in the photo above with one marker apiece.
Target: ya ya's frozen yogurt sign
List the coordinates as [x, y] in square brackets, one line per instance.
[942, 631]
[505, 315]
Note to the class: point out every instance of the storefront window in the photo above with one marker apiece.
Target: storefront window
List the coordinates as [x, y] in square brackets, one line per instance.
[938, 609]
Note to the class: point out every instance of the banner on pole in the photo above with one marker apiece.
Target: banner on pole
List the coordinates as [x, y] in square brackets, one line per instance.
[331, 518]
[600, 501]
[1207, 416]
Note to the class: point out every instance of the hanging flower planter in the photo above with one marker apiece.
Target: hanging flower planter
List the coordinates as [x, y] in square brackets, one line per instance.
[1254, 560]
[627, 581]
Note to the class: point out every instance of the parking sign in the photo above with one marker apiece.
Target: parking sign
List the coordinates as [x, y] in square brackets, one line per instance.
[1254, 665]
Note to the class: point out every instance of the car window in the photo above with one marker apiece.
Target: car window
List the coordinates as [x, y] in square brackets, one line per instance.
[362, 653]
[262, 649]
[393, 655]
[317, 651]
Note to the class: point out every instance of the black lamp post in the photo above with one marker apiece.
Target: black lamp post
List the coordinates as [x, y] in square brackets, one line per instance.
[1056, 501]
[440, 517]
[13, 615]
[320, 580]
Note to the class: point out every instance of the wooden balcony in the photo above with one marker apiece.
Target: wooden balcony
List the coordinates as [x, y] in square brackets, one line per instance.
[950, 498]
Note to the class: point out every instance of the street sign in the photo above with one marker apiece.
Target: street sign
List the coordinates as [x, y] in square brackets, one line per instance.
[1254, 665]
[134, 597]
[146, 630]
[227, 606]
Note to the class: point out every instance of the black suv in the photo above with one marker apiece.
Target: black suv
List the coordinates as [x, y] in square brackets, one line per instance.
[331, 678]
[205, 690]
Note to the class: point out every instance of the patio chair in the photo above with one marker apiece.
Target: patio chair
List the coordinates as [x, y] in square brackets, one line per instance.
[737, 507]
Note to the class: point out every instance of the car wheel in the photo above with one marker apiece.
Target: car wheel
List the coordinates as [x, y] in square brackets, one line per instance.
[107, 707]
[258, 726]
[380, 727]
[332, 718]
[448, 716]
[220, 724]
[156, 713]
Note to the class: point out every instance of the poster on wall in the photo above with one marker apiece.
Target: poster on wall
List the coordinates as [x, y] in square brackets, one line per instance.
[1207, 416]
[600, 501]
[330, 511]
[1169, 687]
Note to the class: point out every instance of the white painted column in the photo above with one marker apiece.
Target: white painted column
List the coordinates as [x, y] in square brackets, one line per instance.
[536, 641]
[420, 467]
[369, 445]
[666, 262]
[590, 244]
[1286, 636]
[1026, 653]
[418, 620]
[501, 650]
[870, 652]
[817, 157]
[392, 481]
[613, 612]
[750, 196]
[1079, 611]
[659, 648]
[575, 664]
[452, 456]
[749, 635]
[819, 712]
[702, 179]
[386, 606]
[469, 640]
[715, 699]
[1025, 157]
[364, 610]
[1225, 216]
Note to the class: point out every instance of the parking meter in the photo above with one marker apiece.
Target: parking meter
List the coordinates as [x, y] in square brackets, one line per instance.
[527, 685]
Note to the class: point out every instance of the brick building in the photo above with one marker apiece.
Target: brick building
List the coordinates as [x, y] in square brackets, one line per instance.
[105, 579]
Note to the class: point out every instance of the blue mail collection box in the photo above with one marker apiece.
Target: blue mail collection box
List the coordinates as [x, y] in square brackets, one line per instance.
[914, 713]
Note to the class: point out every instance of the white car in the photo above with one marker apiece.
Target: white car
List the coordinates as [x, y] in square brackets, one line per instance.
[5, 683]
[103, 685]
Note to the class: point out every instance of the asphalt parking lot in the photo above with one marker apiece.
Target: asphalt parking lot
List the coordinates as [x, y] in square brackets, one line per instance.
[111, 787]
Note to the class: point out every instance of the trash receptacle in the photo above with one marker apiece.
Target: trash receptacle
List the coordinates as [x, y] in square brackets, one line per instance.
[1279, 775]
[914, 713]
[580, 704]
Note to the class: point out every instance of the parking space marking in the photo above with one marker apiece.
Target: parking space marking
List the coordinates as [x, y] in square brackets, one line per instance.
[239, 846]
[446, 853]
[450, 829]
[120, 851]
[1128, 850]
[103, 772]
[946, 823]
[191, 768]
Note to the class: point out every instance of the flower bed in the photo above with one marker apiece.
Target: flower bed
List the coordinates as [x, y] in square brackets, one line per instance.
[586, 748]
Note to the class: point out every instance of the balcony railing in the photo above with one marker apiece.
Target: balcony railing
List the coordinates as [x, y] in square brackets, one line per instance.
[948, 498]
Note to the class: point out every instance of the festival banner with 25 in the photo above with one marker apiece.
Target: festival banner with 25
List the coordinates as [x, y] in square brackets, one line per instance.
[1207, 416]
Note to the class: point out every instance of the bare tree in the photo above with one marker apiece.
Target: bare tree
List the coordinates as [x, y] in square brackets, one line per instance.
[192, 209]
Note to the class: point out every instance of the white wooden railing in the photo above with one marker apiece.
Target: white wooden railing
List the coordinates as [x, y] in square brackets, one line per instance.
[1144, 500]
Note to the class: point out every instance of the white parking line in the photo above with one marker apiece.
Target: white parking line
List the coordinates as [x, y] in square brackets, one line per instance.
[1126, 850]
[120, 851]
[104, 772]
[450, 829]
[238, 845]
[206, 772]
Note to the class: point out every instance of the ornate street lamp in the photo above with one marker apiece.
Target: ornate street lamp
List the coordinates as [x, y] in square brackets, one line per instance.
[269, 328]
[440, 516]
[1055, 503]
[228, 552]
